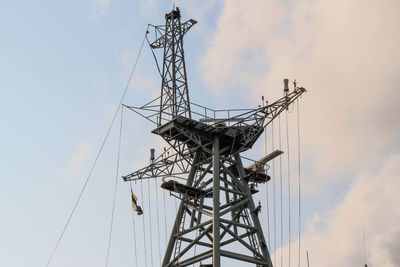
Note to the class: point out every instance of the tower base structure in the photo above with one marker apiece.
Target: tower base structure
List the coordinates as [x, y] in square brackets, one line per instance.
[217, 216]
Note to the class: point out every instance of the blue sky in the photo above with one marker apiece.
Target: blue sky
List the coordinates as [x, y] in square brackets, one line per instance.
[64, 66]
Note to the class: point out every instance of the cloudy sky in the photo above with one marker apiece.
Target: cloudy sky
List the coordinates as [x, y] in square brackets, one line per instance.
[65, 64]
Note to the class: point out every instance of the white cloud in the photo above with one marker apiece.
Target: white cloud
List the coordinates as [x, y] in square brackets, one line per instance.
[336, 238]
[344, 52]
[78, 161]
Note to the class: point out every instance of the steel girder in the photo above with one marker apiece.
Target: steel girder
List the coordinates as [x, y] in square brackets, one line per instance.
[210, 227]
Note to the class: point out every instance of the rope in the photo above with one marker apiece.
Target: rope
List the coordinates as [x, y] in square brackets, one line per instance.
[274, 190]
[96, 159]
[152, 51]
[165, 219]
[281, 186]
[267, 190]
[288, 164]
[115, 190]
[134, 228]
[299, 169]
[151, 235]
[158, 222]
[144, 225]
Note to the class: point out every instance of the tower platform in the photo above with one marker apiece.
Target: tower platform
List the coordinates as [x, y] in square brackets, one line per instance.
[195, 133]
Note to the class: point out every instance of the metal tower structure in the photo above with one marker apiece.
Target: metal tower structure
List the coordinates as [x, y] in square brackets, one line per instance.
[203, 166]
[174, 99]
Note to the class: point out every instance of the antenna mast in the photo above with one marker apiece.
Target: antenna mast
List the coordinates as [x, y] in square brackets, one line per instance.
[217, 216]
[174, 100]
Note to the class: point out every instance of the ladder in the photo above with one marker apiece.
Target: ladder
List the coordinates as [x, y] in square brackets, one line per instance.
[253, 240]
[179, 236]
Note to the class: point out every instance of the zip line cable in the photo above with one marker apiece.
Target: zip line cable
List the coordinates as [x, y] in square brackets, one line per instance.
[144, 224]
[97, 157]
[288, 164]
[299, 169]
[115, 189]
[281, 186]
[134, 229]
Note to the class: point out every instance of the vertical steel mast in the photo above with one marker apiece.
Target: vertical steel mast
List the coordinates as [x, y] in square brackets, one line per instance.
[217, 217]
[174, 99]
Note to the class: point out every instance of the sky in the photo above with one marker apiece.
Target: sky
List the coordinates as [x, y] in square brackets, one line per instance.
[65, 64]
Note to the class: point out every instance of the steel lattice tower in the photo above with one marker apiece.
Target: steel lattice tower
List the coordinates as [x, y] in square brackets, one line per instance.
[217, 216]
[174, 99]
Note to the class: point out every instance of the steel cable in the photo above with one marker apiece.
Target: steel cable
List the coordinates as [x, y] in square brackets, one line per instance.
[144, 224]
[134, 229]
[288, 173]
[267, 191]
[96, 159]
[165, 218]
[150, 231]
[115, 189]
[274, 189]
[281, 186]
[158, 222]
[299, 169]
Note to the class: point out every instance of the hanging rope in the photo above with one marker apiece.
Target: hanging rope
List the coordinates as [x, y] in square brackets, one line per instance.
[288, 172]
[144, 225]
[299, 169]
[281, 186]
[96, 159]
[115, 189]
[151, 235]
[152, 51]
[274, 190]
[134, 228]
[158, 221]
[267, 191]
[165, 218]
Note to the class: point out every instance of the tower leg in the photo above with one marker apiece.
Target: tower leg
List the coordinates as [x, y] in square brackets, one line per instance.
[180, 214]
[252, 208]
[216, 215]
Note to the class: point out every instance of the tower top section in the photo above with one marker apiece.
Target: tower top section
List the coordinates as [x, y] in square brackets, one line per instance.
[174, 14]
[174, 98]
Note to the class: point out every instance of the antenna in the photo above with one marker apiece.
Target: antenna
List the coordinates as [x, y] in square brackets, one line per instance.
[308, 260]
[286, 86]
[365, 251]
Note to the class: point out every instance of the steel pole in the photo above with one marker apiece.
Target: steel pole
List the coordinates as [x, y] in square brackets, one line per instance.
[216, 190]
